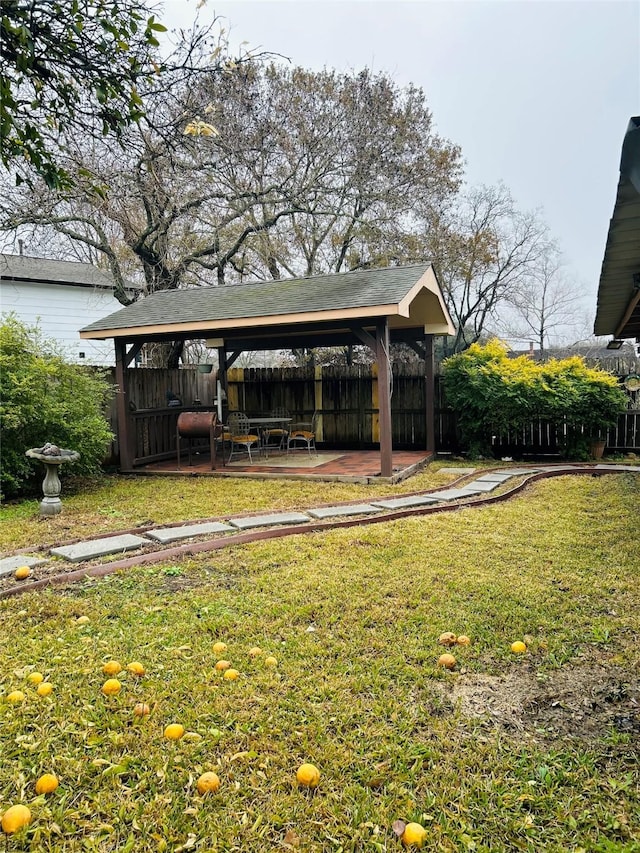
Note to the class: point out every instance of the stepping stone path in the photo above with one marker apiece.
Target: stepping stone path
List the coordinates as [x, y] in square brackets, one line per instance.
[128, 542]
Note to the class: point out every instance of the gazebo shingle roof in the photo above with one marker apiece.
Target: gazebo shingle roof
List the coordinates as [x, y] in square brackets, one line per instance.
[364, 289]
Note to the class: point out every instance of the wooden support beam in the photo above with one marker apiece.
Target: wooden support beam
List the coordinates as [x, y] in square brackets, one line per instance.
[430, 391]
[125, 427]
[384, 396]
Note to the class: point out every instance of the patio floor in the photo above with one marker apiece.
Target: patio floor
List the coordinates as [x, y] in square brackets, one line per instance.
[361, 466]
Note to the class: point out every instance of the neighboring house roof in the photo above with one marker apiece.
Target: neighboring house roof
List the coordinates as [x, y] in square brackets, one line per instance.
[48, 271]
[409, 297]
[618, 311]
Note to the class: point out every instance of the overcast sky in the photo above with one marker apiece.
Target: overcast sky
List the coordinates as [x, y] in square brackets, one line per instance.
[537, 94]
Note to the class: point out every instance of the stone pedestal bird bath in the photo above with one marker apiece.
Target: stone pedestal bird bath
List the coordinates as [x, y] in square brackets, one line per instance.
[53, 457]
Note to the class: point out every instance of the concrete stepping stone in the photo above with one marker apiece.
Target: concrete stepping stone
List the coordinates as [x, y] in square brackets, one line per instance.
[516, 472]
[454, 494]
[269, 520]
[494, 478]
[407, 501]
[8, 565]
[350, 509]
[461, 471]
[186, 531]
[99, 547]
[484, 485]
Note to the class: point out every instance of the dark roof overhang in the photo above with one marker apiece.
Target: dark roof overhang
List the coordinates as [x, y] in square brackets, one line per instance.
[618, 310]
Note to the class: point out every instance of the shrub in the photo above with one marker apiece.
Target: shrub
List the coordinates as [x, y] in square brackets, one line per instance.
[494, 394]
[44, 398]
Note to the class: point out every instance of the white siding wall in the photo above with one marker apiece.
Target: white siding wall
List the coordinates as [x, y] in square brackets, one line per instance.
[61, 311]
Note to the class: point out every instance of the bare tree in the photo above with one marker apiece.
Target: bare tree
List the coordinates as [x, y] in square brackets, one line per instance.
[546, 305]
[485, 248]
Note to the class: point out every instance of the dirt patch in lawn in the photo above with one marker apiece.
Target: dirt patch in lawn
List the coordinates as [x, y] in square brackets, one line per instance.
[585, 701]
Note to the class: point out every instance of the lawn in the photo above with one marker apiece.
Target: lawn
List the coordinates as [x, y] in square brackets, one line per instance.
[507, 752]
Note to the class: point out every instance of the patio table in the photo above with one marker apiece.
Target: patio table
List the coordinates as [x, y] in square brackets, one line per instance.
[262, 423]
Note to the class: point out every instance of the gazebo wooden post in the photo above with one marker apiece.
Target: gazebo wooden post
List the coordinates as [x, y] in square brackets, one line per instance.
[384, 397]
[430, 391]
[224, 382]
[125, 434]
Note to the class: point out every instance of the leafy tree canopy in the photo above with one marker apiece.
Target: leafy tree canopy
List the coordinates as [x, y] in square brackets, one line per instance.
[69, 66]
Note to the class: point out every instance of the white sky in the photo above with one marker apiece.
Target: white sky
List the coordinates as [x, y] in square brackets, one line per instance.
[537, 94]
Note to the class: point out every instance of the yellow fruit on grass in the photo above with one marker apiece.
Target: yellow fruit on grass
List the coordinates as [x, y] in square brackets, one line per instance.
[414, 835]
[15, 818]
[308, 775]
[174, 731]
[15, 696]
[447, 661]
[222, 665]
[44, 689]
[255, 652]
[208, 783]
[136, 668]
[463, 640]
[518, 648]
[35, 678]
[219, 647]
[47, 783]
[82, 620]
[111, 687]
[22, 572]
[447, 639]
[112, 667]
[231, 674]
[271, 661]
[141, 709]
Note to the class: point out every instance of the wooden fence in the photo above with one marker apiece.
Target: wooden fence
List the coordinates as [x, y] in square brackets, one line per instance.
[345, 397]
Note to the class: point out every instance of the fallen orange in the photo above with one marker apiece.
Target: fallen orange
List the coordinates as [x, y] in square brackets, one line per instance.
[447, 639]
[255, 652]
[136, 668]
[112, 667]
[44, 689]
[111, 687]
[141, 709]
[22, 572]
[15, 818]
[231, 674]
[35, 678]
[219, 647]
[222, 665]
[174, 731]
[271, 661]
[208, 783]
[447, 661]
[414, 835]
[518, 648]
[47, 783]
[15, 696]
[463, 640]
[308, 775]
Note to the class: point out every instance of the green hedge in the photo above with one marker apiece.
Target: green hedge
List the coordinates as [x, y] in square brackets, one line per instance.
[43, 398]
[493, 394]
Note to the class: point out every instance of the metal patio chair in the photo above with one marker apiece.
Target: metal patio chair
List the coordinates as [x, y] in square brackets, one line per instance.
[276, 436]
[240, 435]
[303, 435]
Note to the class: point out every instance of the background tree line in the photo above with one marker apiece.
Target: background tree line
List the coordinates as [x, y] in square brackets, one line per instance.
[214, 170]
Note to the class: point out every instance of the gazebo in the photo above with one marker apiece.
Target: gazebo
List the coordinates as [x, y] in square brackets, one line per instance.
[374, 307]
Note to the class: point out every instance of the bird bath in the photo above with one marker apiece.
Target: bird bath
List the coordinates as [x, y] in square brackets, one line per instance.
[53, 457]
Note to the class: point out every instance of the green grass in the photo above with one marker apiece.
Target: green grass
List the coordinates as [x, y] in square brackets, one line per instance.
[353, 617]
[119, 502]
